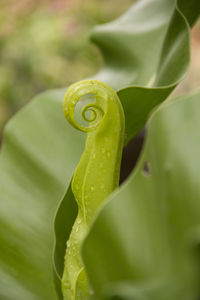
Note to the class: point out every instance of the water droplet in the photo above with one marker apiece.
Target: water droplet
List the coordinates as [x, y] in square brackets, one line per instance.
[68, 244]
[93, 155]
[66, 284]
[146, 169]
[77, 229]
[108, 154]
[92, 188]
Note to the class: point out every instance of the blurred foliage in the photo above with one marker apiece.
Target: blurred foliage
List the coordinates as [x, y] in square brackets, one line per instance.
[44, 44]
[192, 80]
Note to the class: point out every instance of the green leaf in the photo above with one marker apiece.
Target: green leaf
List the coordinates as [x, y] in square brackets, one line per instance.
[35, 168]
[145, 242]
[128, 61]
[40, 150]
[147, 46]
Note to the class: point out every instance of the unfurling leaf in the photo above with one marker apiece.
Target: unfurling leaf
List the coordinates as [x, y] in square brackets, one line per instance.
[97, 174]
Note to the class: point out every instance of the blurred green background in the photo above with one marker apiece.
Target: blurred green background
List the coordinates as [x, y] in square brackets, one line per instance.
[45, 44]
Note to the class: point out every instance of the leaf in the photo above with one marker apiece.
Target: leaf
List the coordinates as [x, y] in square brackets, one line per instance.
[152, 42]
[35, 169]
[128, 61]
[40, 150]
[144, 244]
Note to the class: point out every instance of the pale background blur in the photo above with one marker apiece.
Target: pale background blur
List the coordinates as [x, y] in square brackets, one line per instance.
[45, 44]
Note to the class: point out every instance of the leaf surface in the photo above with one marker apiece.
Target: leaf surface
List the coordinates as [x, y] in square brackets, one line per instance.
[145, 242]
[32, 180]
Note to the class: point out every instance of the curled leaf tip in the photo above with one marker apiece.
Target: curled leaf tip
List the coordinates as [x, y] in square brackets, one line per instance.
[94, 91]
[97, 173]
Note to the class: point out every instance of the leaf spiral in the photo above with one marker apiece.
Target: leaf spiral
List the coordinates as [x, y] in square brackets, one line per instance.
[96, 175]
[97, 109]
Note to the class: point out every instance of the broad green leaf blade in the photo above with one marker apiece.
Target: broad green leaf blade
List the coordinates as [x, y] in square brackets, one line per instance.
[35, 167]
[138, 102]
[174, 60]
[152, 40]
[144, 243]
[145, 41]
[131, 45]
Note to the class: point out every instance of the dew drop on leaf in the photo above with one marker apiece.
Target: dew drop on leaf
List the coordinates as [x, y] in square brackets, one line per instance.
[108, 154]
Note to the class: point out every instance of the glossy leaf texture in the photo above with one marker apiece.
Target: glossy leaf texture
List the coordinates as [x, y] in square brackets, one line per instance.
[145, 242]
[148, 47]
